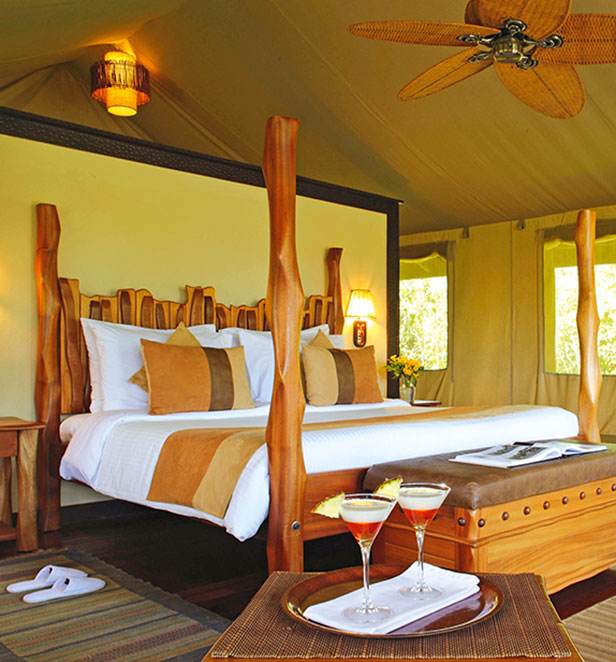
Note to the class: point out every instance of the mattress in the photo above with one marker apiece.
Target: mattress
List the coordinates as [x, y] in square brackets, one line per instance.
[115, 452]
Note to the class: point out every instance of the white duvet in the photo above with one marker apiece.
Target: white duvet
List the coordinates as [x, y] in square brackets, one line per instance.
[115, 452]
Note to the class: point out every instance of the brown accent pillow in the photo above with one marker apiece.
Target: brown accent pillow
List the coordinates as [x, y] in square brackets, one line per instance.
[181, 336]
[340, 376]
[182, 378]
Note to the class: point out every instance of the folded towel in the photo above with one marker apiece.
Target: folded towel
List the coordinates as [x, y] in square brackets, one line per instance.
[455, 586]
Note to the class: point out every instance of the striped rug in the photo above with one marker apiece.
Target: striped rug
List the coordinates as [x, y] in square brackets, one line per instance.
[594, 631]
[128, 620]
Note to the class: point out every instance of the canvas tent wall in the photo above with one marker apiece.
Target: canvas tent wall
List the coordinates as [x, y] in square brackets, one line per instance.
[468, 155]
[496, 319]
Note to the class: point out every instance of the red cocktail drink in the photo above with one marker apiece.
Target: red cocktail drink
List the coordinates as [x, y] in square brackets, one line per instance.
[364, 514]
[420, 503]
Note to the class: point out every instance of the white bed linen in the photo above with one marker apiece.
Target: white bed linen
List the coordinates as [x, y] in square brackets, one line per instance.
[116, 452]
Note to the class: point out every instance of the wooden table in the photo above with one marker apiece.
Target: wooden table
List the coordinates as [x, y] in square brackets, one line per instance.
[575, 657]
[19, 439]
[254, 627]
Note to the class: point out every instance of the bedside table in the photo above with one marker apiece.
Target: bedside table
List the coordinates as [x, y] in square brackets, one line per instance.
[19, 439]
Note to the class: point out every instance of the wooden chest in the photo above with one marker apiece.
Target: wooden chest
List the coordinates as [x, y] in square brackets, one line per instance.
[556, 519]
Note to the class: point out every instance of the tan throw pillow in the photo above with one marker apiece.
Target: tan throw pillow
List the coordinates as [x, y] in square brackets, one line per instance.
[181, 336]
[182, 378]
[321, 340]
[340, 376]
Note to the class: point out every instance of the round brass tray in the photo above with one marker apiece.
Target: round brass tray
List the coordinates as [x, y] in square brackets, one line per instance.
[330, 585]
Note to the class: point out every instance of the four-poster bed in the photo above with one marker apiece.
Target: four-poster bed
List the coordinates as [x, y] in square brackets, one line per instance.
[62, 385]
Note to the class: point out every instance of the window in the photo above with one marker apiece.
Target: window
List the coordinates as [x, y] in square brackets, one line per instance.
[560, 283]
[423, 310]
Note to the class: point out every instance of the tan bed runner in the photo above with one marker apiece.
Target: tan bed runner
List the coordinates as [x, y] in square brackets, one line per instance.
[199, 468]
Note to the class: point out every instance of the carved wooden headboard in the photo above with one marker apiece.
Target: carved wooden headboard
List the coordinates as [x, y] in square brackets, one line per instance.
[62, 379]
[140, 308]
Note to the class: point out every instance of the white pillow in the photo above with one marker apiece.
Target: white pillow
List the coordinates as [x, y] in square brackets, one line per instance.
[115, 355]
[337, 340]
[96, 398]
[306, 335]
[259, 355]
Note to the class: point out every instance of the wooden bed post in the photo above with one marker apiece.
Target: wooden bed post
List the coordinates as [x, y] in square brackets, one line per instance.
[284, 307]
[588, 325]
[47, 389]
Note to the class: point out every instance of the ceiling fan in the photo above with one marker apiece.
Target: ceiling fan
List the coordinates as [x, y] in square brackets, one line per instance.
[533, 45]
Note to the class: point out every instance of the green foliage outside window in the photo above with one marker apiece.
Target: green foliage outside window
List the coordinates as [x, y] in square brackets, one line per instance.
[423, 321]
[566, 343]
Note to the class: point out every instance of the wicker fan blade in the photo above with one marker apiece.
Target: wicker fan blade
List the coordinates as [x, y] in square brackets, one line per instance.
[470, 15]
[443, 74]
[417, 32]
[589, 39]
[543, 17]
[555, 90]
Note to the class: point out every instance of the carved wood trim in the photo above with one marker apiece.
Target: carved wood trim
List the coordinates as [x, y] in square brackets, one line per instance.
[588, 326]
[334, 290]
[285, 302]
[140, 308]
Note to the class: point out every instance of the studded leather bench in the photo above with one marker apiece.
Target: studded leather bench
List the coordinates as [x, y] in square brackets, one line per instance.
[555, 518]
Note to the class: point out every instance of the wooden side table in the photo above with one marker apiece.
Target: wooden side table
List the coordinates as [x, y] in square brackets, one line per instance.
[526, 629]
[19, 438]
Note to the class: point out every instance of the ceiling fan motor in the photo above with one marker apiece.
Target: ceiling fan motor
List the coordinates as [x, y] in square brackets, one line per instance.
[511, 45]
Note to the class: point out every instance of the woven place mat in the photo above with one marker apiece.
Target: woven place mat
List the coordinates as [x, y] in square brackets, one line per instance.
[526, 626]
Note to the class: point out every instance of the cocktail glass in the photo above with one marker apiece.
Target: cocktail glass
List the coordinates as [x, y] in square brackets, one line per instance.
[364, 514]
[420, 503]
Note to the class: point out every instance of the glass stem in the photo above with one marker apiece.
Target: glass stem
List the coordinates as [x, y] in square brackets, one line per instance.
[365, 559]
[419, 534]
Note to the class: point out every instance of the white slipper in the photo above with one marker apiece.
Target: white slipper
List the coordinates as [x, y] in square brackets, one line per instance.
[45, 577]
[66, 587]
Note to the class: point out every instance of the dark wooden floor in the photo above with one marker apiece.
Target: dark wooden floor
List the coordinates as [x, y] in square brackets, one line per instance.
[210, 568]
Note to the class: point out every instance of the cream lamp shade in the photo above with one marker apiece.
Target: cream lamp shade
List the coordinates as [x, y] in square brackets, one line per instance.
[120, 83]
[360, 307]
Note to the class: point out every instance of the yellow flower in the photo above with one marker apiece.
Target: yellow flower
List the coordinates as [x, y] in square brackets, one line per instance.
[403, 367]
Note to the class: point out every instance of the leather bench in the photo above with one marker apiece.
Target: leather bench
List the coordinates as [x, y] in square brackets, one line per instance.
[555, 518]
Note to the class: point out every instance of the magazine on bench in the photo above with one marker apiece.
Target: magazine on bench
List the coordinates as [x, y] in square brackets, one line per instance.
[521, 453]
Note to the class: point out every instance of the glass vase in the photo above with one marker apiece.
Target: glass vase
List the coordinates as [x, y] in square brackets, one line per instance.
[407, 392]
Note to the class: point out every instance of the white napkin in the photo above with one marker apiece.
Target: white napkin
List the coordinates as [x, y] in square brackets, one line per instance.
[455, 586]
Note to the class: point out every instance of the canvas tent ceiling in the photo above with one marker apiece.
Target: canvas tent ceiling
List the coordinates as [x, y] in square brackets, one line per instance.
[468, 155]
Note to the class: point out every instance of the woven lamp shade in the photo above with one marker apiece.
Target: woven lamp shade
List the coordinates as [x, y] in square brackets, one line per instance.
[120, 83]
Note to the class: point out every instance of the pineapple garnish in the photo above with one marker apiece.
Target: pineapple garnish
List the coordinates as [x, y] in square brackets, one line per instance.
[389, 487]
[330, 507]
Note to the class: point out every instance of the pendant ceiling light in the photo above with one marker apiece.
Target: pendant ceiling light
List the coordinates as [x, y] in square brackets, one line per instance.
[120, 83]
